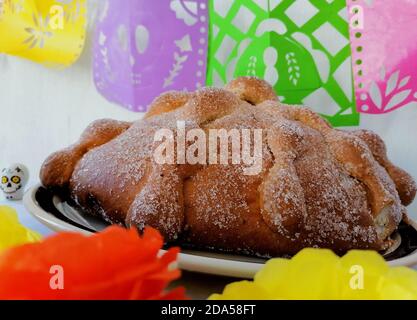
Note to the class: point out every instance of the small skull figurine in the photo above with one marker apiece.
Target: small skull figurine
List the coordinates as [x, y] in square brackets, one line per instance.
[13, 181]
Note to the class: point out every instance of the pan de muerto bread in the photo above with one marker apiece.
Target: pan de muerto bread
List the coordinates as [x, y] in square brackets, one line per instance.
[316, 186]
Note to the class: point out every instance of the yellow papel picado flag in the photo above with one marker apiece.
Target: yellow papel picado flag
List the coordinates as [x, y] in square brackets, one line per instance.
[50, 32]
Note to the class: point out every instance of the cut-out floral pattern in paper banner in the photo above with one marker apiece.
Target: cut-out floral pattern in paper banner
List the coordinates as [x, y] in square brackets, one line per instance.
[301, 47]
[385, 55]
[144, 48]
[50, 32]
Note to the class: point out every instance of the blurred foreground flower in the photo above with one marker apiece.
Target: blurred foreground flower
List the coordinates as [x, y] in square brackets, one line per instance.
[12, 233]
[113, 264]
[320, 274]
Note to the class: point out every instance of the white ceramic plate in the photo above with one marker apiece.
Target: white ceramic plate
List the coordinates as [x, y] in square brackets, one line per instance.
[60, 216]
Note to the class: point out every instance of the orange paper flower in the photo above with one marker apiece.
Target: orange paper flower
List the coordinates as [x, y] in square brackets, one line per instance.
[114, 264]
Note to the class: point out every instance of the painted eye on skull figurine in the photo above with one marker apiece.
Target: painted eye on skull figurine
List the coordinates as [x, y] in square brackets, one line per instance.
[15, 179]
[4, 180]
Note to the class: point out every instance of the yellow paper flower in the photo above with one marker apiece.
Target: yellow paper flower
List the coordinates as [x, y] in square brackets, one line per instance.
[12, 233]
[51, 32]
[320, 274]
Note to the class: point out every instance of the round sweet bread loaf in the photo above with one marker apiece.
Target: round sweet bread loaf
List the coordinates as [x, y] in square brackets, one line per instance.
[316, 186]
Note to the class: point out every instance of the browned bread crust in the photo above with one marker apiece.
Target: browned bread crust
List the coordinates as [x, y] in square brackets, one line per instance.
[318, 186]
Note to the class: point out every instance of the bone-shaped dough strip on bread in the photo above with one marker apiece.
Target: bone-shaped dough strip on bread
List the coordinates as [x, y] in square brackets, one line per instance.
[57, 169]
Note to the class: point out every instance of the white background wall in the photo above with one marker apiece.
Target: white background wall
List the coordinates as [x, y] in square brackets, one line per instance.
[43, 110]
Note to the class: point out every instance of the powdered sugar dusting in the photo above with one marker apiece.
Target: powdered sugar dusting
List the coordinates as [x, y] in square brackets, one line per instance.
[318, 186]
